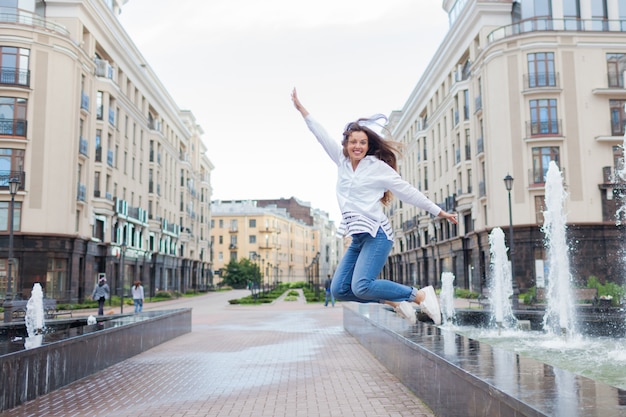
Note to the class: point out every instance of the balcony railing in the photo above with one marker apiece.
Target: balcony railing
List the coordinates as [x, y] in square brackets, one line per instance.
[543, 128]
[13, 127]
[110, 158]
[542, 80]
[480, 146]
[82, 190]
[14, 76]
[22, 17]
[546, 24]
[5, 176]
[83, 146]
[84, 101]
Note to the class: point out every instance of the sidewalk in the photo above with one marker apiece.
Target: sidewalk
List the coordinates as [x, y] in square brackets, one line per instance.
[285, 359]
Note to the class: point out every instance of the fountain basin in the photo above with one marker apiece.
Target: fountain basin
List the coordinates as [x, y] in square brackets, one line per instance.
[84, 350]
[460, 377]
[589, 320]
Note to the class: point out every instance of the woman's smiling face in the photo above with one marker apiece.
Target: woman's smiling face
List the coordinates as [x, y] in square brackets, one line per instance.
[357, 146]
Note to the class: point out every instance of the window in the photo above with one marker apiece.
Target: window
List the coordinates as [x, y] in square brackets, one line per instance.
[618, 157]
[96, 184]
[252, 223]
[540, 202]
[252, 239]
[12, 116]
[543, 120]
[99, 105]
[4, 215]
[599, 15]
[14, 66]
[616, 68]
[618, 118]
[541, 70]
[98, 145]
[571, 14]
[541, 160]
[57, 278]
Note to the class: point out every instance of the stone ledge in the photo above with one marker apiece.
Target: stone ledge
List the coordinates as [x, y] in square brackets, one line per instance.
[34, 372]
[460, 377]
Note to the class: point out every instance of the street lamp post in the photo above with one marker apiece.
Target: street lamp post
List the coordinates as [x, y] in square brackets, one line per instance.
[122, 256]
[14, 184]
[508, 183]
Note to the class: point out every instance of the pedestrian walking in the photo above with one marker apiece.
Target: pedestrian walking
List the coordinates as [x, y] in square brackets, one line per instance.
[367, 178]
[101, 293]
[328, 293]
[137, 292]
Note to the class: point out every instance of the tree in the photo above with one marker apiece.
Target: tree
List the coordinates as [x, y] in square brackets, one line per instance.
[238, 274]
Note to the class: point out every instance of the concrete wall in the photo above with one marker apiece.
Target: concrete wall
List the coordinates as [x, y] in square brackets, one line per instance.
[29, 373]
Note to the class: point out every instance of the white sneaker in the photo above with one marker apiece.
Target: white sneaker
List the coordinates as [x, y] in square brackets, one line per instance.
[430, 305]
[406, 311]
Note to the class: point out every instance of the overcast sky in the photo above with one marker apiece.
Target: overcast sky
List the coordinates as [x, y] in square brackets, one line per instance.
[233, 63]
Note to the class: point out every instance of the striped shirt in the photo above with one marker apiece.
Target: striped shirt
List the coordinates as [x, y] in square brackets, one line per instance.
[359, 190]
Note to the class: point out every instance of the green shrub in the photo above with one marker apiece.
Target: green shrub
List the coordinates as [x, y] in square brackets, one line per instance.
[608, 289]
[163, 294]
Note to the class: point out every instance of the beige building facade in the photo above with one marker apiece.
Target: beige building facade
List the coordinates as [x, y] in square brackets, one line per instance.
[114, 179]
[287, 247]
[513, 86]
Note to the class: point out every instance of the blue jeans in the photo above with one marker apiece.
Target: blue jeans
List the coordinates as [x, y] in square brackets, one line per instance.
[356, 276]
[329, 296]
[138, 305]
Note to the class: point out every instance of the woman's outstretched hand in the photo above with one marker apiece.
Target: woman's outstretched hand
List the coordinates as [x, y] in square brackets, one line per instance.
[297, 104]
[451, 217]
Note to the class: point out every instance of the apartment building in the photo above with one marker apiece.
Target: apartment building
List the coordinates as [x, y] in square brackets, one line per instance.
[113, 176]
[513, 86]
[287, 239]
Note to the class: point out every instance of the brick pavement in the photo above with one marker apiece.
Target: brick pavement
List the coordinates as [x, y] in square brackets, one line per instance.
[285, 359]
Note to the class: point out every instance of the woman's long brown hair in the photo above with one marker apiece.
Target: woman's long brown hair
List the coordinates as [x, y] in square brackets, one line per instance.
[385, 150]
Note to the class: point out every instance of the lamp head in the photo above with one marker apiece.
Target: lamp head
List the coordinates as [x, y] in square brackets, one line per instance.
[14, 184]
[508, 182]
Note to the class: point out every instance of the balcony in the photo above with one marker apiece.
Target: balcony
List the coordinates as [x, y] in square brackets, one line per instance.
[110, 158]
[480, 146]
[84, 101]
[112, 117]
[83, 146]
[5, 176]
[543, 128]
[478, 104]
[13, 127]
[24, 18]
[547, 24]
[82, 191]
[542, 80]
[14, 76]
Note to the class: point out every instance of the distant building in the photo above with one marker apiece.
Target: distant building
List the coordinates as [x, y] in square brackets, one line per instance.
[513, 86]
[285, 247]
[105, 158]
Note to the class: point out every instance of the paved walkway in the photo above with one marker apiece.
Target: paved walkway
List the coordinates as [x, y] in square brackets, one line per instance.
[285, 359]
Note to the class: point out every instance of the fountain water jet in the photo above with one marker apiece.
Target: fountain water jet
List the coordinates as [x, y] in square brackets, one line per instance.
[560, 311]
[446, 297]
[501, 282]
[34, 318]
